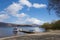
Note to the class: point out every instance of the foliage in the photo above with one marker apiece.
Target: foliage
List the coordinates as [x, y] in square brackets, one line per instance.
[54, 25]
[46, 26]
[54, 5]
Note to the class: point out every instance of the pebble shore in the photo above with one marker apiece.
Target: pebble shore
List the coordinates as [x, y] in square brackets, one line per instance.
[37, 36]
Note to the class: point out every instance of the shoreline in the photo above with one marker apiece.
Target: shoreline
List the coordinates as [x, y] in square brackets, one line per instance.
[52, 34]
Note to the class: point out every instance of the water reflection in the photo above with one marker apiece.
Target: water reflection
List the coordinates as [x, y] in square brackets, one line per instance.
[36, 29]
[8, 31]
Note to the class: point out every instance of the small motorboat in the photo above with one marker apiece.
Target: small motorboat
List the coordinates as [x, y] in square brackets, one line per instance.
[15, 30]
[26, 31]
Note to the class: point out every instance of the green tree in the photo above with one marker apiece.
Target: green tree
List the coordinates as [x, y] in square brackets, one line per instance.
[56, 25]
[46, 26]
[52, 26]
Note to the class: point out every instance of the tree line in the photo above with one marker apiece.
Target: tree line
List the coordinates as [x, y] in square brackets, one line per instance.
[52, 26]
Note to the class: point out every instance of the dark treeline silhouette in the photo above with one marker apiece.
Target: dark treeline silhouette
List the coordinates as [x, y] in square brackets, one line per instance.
[52, 26]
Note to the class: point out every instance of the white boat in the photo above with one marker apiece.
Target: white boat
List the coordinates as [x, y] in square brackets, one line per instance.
[15, 30]
[26, 31]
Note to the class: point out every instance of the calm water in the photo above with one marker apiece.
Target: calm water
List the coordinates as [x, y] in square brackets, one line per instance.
[8, 31]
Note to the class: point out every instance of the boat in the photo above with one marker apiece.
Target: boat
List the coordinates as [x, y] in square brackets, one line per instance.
[15, 30]
[26, 31]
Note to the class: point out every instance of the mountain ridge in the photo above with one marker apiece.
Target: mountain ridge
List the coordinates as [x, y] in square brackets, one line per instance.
[3, 24]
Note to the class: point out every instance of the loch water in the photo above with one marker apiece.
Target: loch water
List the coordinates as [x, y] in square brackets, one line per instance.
[8, 31]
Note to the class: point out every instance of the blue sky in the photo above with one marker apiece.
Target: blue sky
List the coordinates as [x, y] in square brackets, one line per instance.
[25, 12]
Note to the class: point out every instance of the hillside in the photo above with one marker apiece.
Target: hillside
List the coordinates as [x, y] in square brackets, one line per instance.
[2, 24]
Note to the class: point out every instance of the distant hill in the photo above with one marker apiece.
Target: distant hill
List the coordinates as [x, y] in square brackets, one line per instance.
[2, 24]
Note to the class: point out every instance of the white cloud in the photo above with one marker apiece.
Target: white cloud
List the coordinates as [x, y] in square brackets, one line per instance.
[30, 21]
[21, 15]
[26, 2]
[34, 21]
[24, 19]
[21, 18]
[36, 5]
[29, 4]
[3, 17]
[13, 9]
[20, 21]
